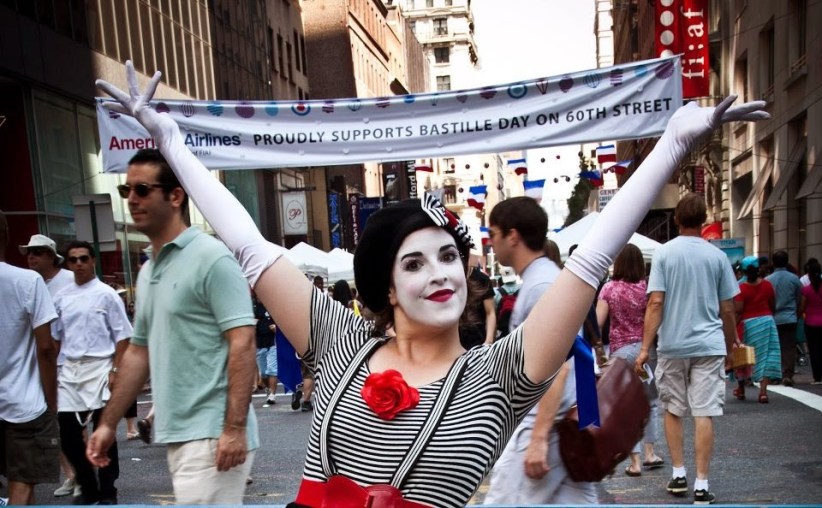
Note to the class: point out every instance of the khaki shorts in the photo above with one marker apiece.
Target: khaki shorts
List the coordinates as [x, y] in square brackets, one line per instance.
[195, 477]
[695, 384]
[29, 452]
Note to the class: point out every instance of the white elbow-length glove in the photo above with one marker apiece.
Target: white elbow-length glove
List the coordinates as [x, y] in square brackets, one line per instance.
[220, 208]
[618, 221]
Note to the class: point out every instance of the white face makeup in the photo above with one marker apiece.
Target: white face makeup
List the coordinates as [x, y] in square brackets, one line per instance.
[429, 285]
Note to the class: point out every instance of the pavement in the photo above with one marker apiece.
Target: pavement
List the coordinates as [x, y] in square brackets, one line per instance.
[764, 454]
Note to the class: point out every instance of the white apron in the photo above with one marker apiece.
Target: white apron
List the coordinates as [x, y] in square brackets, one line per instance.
[82, 385]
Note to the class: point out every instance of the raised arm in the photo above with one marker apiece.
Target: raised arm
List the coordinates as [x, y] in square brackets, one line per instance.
[282, 288]
[555, 319]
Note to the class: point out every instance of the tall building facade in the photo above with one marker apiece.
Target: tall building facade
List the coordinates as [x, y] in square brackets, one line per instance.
[445, 29]
[50, 55]
[759, 179]
[361, 48]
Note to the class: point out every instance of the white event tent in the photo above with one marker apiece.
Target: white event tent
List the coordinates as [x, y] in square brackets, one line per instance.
[574, 234]
[333, 266]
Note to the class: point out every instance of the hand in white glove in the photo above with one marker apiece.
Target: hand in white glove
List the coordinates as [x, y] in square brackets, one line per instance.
[690, 124]
[136, 104]
[220, 208]
[618, 221]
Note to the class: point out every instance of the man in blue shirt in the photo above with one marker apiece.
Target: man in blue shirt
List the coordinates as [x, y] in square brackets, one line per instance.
[787, 287]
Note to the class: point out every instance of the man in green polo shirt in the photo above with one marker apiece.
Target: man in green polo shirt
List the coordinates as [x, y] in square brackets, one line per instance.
[194, 327]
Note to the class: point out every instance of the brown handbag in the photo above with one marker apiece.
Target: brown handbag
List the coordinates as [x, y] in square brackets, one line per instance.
[592, 453]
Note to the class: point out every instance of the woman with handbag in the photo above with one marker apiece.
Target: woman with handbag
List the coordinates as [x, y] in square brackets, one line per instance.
[413, 419]
[755, 305]
[623, 299]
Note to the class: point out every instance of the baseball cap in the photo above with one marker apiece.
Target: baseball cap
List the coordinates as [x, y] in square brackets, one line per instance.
[508, 275]
[749, 262]
[41, 241]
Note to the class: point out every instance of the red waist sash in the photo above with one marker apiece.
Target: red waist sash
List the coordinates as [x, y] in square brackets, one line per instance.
[342, 492]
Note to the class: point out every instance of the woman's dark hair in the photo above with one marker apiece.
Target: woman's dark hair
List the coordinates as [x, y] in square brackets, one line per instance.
[629, 265]
[815, 274]
[752, 273]
[551, 250]
[342, 292]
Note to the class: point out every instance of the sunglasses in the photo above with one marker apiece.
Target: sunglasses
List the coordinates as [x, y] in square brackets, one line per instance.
[79, 259]
[37, 251]
[141, 189]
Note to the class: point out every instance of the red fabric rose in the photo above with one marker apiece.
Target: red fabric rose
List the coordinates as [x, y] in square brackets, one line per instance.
[387, 393]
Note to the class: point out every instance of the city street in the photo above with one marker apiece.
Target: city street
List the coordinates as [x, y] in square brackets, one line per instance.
[764, 454]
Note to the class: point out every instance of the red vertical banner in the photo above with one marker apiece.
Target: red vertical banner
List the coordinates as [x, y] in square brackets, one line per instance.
[682, 27]
[666, 31]
[696, 71]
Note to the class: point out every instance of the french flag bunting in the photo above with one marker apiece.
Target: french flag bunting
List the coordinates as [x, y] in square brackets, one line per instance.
[620, 167]
[606, 153]
[519, 165]
[476, 196]
[595, 177]
[533, 188]
[485, 236]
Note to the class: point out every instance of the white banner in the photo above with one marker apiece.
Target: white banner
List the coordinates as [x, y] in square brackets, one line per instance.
[627, 101]
[295, 217]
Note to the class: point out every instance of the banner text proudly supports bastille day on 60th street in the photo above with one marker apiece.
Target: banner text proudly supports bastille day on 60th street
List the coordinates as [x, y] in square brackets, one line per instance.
[629, 101]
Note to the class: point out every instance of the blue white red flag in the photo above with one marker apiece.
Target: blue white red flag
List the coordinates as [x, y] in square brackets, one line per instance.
[485, 236]
[620, 167]
[606, 153]
[533, 188]
[476, 196]
[595, 177]
[519, 166]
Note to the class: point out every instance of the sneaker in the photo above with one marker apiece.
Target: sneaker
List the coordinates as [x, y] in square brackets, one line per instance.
[702, 496]
[4, 501]
[678, 486]
[78, 491]
[307, 406]
[66, 488]
[296, 397]
[269, 402]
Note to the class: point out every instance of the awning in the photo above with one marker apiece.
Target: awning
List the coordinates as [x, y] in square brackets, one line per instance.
[797, 155]
[756, 192]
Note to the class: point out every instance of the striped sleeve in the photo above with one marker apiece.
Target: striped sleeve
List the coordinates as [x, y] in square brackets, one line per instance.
[330, 324]
[505, 363]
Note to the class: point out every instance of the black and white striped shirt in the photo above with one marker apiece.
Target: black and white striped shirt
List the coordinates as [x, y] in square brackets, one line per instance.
[492, 397]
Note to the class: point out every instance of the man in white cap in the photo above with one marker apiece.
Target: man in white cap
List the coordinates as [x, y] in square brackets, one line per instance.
[42, 257]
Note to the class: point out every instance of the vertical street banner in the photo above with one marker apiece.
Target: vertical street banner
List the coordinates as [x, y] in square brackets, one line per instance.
[367, 207]
[354, 208]
[411, 176]
[628, 101]
[334, 220]
[295, 218]
[682, 28]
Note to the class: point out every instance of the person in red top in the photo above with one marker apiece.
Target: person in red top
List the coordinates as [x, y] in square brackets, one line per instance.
[755, 306]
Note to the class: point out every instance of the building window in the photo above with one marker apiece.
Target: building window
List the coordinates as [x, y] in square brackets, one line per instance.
[442, 55]
[440, 26]
[741, 77]
[297, 49]
[290, 61]
[449, 3]
[429, 3]
[281, 56]
[766, 61]
[269, 43]
[443, 83]
[798, 33]
[412, 25]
